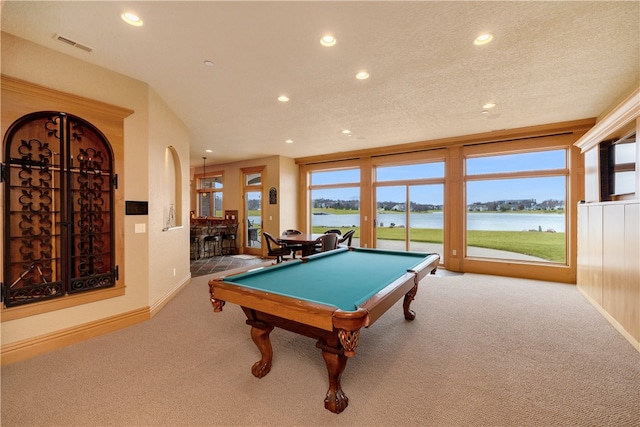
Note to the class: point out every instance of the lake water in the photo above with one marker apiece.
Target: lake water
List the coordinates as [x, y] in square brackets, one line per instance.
[476, 221]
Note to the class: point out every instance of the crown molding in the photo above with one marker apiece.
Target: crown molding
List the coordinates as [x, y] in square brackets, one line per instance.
[627, 111]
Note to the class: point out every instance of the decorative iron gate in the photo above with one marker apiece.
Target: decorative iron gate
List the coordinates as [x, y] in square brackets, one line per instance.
[58, 216]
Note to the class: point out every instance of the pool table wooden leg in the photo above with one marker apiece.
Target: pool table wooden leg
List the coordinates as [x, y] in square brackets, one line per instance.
[260, 336]
[408, 299]
[335, 401]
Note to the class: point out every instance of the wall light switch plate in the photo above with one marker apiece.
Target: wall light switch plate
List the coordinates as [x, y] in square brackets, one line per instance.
[141, 228]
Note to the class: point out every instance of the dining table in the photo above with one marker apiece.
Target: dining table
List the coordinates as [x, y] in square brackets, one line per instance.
[306, 240]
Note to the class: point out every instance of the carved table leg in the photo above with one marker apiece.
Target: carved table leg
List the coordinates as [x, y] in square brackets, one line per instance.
[408, 299]
[335, 401]
[260, 336]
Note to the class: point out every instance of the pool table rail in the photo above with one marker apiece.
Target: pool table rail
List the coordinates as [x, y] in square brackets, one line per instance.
[406, 285]
[310, 313]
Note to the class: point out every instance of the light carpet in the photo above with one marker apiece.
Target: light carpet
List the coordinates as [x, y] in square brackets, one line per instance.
[482, 351]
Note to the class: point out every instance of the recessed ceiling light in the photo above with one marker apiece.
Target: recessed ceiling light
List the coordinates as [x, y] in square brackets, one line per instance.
[328, 41]
[346, 132]
[283, 98]
[489, 105]
[209, 151]
[289, 141]
[483, 39]
[362, 75]
[132, 19]
[208, 63]
[485, 112]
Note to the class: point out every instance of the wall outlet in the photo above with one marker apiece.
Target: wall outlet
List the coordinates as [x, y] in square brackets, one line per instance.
[454, 252]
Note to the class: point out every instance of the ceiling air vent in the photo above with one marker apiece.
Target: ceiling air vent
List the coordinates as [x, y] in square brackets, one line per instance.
[74, 43]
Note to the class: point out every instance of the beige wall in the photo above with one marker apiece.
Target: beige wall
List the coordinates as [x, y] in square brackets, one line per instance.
[288, 195]
[168, 262]
[147, 131]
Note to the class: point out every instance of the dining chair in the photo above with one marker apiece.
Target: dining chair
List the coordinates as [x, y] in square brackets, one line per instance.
[347, 237]
[276, 248]
[333, 230]
[327, 242]
[295, 247]
[291, 232]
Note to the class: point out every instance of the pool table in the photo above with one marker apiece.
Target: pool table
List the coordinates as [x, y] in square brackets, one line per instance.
[329, 297]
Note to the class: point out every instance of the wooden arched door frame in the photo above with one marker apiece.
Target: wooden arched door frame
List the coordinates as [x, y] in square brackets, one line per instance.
[59, 208]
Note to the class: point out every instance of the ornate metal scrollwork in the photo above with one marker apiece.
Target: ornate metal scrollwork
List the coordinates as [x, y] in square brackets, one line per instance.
[59, 215]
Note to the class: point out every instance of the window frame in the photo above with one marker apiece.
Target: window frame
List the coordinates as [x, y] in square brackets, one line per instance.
[609, 169]
[428, 157]
[333, 186]
[211, 192]
[551, 143]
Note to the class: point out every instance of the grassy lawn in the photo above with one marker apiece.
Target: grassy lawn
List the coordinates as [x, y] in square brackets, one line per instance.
[549, 246]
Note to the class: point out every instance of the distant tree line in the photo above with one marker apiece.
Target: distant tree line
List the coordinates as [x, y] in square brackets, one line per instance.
[350, 205]
[495, 206]
[354, 205]
[516, 205]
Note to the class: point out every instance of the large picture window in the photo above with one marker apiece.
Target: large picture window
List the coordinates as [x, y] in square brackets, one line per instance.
[502, 205]
[515, 206]
[335, 201]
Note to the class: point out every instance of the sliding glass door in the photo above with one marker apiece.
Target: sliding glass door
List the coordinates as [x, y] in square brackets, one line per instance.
[409, 202]
[410, 218]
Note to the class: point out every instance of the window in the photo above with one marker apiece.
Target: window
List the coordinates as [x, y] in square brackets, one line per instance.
[210, 193]
[335, 201]
[410, 172]
[338, 177]
[516, 206]
[618, 167]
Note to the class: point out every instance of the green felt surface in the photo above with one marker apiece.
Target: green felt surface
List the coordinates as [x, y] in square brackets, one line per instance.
[342, 278]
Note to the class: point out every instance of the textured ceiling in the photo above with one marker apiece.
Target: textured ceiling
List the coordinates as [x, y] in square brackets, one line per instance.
[549, 62]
